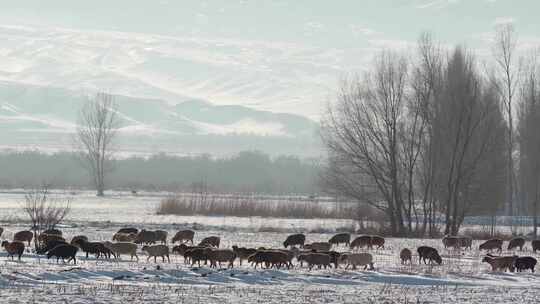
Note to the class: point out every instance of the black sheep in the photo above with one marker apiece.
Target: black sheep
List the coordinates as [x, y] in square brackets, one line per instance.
[524, 263]
[96, 248]
[64, 251]
[428, 253]
[49, 245]
[295, 239]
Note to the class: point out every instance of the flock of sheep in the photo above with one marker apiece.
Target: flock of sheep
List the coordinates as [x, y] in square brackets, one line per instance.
[318, 254]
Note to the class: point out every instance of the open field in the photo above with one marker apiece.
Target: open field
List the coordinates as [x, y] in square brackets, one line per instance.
[461, 278]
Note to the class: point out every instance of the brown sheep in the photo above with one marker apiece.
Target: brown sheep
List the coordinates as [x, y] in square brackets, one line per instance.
[535, 244]
[243, 253]
[124, 237]
[161, 236]
[45, 238]
[14, 248]
[96, 248]
[516, 242]
[78, 237]
[491, 244]
[451, 241]
[428, 253]
[357, 259]
[196, 255]
[502, 263]
[146, 237]
[24, 236]
[157, 250]
[318, 246]
[340, 238]
[184, 235]
[271, 258]
[122, 248]
[295, 239]
[128, 230]
[405, 255]
[360, 242]
[216, 256]
[211, 241]
[377, 241]
[319, 259]
[465, 242]
[52, 231]
[334, 257]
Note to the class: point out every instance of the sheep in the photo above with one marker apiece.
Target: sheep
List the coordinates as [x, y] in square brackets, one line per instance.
[24, 236]
[516, 242]
[196, 255]
[211, 241]
[161, 236]
[45, 238]
[49, 245]
[146, 237]
[334, 257]
[319, 259]
[500, 263]
[271, 258]
[491, 244]
[524, 263]
[428, 253]
[340, 238]
[357, 259]
[465, 242]
[216, 256]
[451, 241]
[243, 253]
[124, 237]
[1, 231]
[295, 239]
[157, 250]
[405, 255]
[63, 251]
[360, 242]
[535, 244]
[184, 235]
[128, 230]
[14, 248]
[123, 248]
[96, 248]
[53, 231]
[319, 246]
[78, 237]
[377, 241]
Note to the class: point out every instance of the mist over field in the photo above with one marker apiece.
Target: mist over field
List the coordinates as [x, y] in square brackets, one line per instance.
[233, 151]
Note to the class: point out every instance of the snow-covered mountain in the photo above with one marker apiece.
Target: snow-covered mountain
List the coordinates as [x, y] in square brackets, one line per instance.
[46, 117]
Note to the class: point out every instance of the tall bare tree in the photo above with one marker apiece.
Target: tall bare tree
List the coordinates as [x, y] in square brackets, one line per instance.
[529, 139]
[96, 131]
[506, 79]
[363, 133]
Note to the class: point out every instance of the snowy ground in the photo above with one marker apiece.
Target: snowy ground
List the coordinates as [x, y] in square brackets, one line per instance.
[461, 278]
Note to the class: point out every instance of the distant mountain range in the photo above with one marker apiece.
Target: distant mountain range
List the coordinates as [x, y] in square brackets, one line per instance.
[45, 117]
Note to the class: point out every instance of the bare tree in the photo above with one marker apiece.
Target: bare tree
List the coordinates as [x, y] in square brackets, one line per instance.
[529, 139]
[506, 80]
[362, 133]
[44, 211]
[96, 131]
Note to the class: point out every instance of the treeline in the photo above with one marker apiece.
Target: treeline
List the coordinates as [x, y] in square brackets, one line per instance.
[433, 136]
[245, 172]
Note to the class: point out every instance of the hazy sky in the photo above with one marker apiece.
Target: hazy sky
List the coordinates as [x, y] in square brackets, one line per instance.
[284, 56]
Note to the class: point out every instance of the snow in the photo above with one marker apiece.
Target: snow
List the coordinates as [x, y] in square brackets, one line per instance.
[461, 278]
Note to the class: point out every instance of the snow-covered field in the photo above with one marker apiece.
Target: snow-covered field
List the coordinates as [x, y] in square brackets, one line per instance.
[461, 278]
